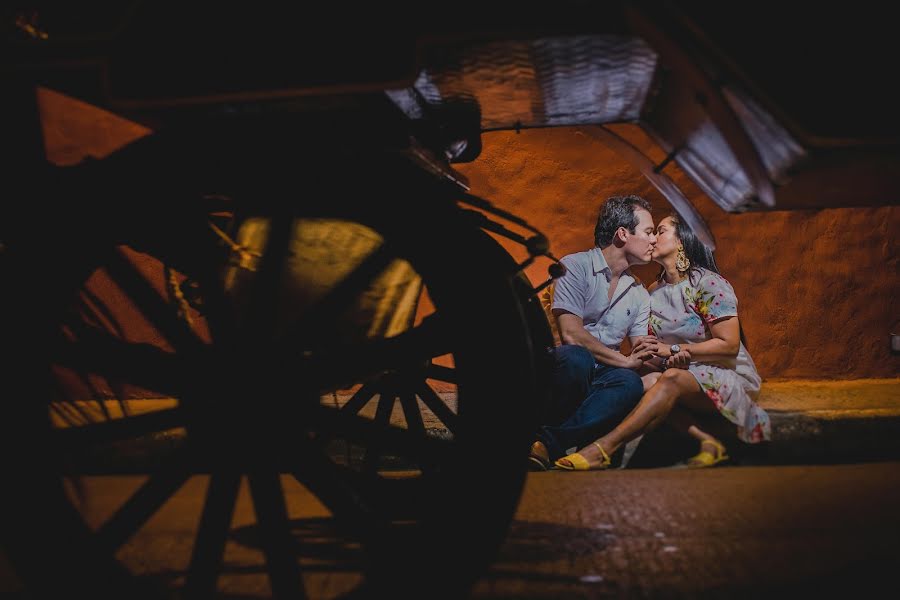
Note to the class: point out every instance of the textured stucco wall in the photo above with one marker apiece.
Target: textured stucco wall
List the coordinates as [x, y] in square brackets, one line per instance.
[818, 289]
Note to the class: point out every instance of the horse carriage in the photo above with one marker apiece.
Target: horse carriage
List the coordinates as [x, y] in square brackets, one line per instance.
[327, 298]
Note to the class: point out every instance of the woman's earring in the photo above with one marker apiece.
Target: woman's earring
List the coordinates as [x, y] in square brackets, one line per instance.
[681, 261]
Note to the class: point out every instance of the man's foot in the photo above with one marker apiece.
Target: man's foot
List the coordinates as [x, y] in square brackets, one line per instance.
[538, 457]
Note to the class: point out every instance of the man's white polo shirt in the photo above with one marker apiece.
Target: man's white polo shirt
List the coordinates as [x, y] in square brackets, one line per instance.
[584, 292]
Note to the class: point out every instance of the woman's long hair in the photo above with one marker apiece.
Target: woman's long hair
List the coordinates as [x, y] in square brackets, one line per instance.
[695, 250]
[698, 253]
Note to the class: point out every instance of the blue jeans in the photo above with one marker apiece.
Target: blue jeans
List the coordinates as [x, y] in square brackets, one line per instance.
[589, 399]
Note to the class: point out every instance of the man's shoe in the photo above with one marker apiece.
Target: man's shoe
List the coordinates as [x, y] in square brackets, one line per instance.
[538, 457]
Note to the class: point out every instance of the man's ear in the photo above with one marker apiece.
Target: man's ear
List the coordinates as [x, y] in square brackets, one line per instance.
[621, 234]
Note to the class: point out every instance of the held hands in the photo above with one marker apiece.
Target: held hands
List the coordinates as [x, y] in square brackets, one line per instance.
[679, 361]
[649, 347]
[643, 350]
[646, 348]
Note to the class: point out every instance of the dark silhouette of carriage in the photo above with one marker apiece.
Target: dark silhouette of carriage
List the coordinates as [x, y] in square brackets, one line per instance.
[335, 304]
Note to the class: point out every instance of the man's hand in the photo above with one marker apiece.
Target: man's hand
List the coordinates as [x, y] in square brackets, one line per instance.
[645, 344]
[643, 350]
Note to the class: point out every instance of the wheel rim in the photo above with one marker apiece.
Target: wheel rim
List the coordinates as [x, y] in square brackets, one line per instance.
[482, 448]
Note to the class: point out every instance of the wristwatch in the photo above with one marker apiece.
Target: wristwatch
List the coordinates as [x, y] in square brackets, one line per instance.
[674, 349]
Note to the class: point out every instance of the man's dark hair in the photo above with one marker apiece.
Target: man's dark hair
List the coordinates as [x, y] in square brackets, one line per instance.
[617, 211]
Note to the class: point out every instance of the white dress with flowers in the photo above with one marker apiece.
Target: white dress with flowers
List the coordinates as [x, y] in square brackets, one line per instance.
[681, 313]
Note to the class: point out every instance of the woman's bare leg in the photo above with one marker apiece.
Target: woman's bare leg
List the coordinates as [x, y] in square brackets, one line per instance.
[685, 421]
[698, 433]
[708, 443]
[682, 420]
[674, 385]
[650, 380]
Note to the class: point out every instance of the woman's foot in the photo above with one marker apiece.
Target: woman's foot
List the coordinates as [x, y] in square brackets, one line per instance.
[589, 458]
[712, 452]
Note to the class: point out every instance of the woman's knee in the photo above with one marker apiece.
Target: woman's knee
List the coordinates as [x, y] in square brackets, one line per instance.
[677, 381]
[665, 391]
[670, 378]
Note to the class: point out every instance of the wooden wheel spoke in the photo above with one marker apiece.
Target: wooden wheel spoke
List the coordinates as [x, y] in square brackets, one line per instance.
[144, 503]
[412, 348]
[360, 398]
[414, 422]
[421, 343]
[382, 419]
[361, 503]
[148, 366]
[339, 488]
[438, 407]
[441, 373]
[163, 316]
[368, 432]
[411, 413]
[278, 545]
[209, 544]
[342, 296]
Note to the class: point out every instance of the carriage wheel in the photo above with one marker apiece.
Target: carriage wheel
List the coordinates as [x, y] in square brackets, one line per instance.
[421, 488]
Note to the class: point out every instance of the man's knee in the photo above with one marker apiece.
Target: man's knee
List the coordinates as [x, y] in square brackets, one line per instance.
[632, 385]
[573, 359]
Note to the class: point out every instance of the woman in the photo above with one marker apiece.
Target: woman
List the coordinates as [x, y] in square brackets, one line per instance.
[703, 366]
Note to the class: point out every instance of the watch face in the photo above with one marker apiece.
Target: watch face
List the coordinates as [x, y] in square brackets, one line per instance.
[675, 349]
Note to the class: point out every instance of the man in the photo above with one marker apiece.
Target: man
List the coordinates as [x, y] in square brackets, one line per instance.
[596, 304]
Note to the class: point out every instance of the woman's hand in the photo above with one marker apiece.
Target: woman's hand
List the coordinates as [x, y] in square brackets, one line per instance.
[682, 360]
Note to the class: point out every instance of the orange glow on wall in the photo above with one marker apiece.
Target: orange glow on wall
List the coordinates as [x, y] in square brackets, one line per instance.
[818, 289]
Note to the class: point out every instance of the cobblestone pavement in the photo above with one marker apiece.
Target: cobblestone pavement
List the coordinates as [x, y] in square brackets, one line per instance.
[729, 532]
[747, 532]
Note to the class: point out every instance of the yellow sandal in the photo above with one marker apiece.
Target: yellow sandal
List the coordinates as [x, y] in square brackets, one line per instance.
[577, 462]
[708, 459]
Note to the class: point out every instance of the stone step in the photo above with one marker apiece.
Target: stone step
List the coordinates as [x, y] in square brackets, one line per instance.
[813, 422]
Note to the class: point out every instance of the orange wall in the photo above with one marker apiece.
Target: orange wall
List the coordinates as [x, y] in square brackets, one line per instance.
[817, 289]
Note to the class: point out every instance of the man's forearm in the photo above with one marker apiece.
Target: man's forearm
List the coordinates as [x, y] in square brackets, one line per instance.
[601, 352]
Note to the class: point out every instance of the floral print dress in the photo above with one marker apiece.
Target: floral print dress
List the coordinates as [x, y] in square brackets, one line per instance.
[681, 313]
